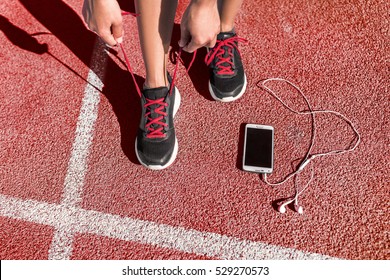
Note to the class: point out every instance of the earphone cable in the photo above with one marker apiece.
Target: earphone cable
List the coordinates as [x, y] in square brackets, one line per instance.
[308, 156]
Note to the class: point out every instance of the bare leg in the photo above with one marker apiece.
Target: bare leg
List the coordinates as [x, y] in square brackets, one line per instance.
[228, 9]
[155, 25]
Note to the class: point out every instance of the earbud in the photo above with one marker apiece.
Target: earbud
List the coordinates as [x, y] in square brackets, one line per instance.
[298, 208]
[282, 207]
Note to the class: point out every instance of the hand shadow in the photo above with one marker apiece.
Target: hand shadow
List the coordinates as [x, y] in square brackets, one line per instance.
[21, 38]
[28, 42]
[64, 23]
[199, 71]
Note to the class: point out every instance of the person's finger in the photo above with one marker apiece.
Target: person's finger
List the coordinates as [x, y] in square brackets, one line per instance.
[192, 46]
[85, 14]
[185, 37]
[108, 38]
[212, 43]
[117, 32]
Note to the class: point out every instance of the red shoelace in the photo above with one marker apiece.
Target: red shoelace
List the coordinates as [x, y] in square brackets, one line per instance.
[161, 110]
[156, 132]
[154, 125]
[225, 62]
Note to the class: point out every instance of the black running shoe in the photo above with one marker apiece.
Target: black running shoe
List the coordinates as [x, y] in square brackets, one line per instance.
[227, 78]
[156, 144]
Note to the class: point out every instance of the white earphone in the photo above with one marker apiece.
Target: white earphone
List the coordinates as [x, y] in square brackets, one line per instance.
[309, 156]
[297, 208]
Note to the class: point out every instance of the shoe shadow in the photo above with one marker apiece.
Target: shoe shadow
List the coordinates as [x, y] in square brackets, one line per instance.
[199, 71]
[64, 23]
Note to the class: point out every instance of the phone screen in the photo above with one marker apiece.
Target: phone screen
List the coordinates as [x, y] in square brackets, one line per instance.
[259, 147]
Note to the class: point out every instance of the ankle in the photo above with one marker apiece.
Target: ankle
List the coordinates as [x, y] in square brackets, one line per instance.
[227, 27]
[155, 83]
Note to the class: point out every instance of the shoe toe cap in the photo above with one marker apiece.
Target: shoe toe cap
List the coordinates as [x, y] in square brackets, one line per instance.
[155, 152]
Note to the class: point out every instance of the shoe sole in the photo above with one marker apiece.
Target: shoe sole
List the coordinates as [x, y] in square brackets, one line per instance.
[176, 147]
[228, 99]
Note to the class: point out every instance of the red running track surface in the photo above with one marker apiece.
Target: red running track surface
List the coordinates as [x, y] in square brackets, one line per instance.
[70, 183]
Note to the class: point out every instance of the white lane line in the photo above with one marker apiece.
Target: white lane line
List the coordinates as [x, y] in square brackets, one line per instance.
[128, 229]
[78, 165]
[62, 243]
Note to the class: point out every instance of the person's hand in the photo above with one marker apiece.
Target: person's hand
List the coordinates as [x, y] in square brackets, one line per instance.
[200, 25]
[105, 19]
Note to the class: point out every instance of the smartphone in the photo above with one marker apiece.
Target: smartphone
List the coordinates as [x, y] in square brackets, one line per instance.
[258, 153]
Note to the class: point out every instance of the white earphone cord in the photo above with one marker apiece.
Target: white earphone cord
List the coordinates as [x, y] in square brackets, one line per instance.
[308, 157]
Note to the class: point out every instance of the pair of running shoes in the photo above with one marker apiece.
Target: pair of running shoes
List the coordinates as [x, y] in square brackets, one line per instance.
[156, 144]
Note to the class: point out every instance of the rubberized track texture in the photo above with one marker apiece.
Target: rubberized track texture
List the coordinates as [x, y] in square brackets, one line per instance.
[72, 188]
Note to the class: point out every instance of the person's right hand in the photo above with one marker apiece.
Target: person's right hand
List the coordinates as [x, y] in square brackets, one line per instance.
[200, 25]
[105, 19]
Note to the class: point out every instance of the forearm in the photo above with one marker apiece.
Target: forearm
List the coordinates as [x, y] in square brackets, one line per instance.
[204, 2]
